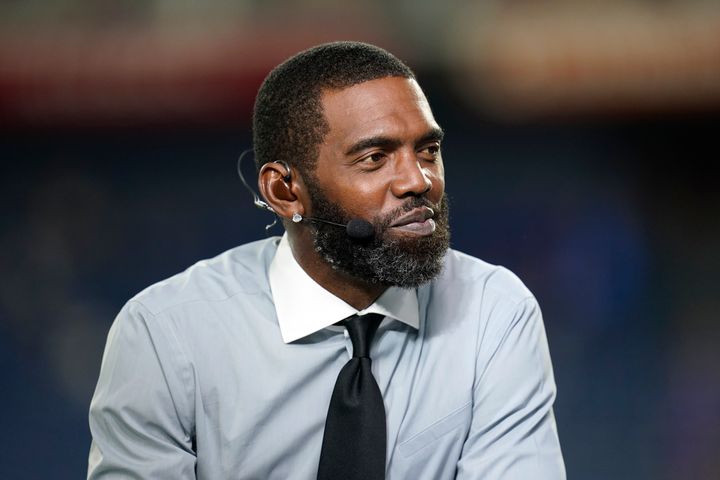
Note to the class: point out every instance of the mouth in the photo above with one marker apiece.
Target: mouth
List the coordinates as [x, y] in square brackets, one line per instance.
[416, 222]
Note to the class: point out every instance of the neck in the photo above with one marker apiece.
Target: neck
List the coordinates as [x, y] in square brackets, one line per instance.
[354, 291]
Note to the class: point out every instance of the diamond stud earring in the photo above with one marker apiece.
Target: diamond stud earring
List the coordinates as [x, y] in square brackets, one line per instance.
[297, 218]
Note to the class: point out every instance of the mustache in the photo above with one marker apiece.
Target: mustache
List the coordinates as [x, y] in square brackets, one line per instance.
[387, 219]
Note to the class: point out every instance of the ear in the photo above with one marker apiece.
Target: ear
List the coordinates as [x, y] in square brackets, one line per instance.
[283, 191]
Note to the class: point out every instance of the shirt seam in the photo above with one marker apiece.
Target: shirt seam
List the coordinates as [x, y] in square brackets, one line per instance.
[502, 340]
[197, 300]
[188, 391]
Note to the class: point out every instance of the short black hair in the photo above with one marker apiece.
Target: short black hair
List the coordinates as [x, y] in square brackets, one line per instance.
[288, 119]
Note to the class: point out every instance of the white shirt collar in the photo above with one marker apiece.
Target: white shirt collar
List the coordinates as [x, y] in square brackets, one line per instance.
[304, 307]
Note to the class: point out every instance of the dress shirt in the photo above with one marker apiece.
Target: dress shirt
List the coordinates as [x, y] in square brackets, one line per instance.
[221, 373]
[304, 307]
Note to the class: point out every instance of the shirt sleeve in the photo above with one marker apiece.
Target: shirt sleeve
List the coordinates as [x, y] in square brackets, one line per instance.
[139, 416]
[513, 434]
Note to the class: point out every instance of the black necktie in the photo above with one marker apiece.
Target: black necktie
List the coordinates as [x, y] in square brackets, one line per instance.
[353, 445]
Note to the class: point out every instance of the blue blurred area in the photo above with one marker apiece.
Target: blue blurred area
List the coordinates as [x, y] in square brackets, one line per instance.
[613, 223]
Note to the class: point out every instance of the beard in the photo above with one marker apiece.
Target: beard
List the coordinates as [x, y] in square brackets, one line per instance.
[406, 262]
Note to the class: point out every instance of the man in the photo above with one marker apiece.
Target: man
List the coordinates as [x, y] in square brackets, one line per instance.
[228, 370]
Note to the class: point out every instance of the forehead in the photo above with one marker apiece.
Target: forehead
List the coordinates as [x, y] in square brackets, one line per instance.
[389, 107]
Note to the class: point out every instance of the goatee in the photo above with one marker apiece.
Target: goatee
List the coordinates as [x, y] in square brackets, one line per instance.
[401, 261]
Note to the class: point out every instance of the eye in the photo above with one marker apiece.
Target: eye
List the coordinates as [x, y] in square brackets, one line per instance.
[373, 158]
[430, 152]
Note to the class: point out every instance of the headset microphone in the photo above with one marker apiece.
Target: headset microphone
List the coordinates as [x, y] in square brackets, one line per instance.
[360, 229]
[357, 228]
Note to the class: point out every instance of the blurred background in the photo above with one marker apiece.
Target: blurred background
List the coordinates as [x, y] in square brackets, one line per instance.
[580, 139]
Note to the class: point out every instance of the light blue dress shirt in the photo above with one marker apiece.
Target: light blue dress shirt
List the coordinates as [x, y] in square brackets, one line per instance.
[198, 382]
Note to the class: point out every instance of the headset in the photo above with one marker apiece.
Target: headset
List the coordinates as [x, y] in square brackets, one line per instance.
[357, 228]
[257, 201]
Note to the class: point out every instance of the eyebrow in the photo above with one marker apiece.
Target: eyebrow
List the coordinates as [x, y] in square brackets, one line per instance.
[433, 135]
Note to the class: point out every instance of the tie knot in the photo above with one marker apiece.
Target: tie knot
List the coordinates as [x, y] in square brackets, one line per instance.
[361, 330]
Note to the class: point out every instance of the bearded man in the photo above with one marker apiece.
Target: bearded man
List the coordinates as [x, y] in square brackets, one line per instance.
[349, 353]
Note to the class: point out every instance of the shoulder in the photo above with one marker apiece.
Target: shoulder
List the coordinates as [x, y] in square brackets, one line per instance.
[483, 301]
[239, 270]
[465, 272]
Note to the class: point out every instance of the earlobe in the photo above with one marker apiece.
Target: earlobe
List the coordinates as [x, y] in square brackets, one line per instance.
[281, 189]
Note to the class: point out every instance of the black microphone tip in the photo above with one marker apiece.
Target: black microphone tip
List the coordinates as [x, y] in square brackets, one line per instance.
[359, 229]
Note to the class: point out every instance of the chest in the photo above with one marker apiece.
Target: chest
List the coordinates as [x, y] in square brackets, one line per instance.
[260, 404]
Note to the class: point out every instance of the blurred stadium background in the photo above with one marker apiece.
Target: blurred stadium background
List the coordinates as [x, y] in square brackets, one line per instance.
[580, 139]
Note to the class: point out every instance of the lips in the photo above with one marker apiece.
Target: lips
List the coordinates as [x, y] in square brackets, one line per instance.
[417, 215]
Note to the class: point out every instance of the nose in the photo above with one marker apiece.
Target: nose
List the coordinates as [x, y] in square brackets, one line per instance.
[411, 178]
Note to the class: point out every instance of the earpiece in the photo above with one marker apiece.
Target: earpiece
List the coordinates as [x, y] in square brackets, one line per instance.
[256, 198]
[288, 175]
[357, 228]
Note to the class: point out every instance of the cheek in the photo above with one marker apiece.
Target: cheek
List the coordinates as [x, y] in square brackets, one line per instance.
[437, 178]
[369, 195]
[359, 196]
